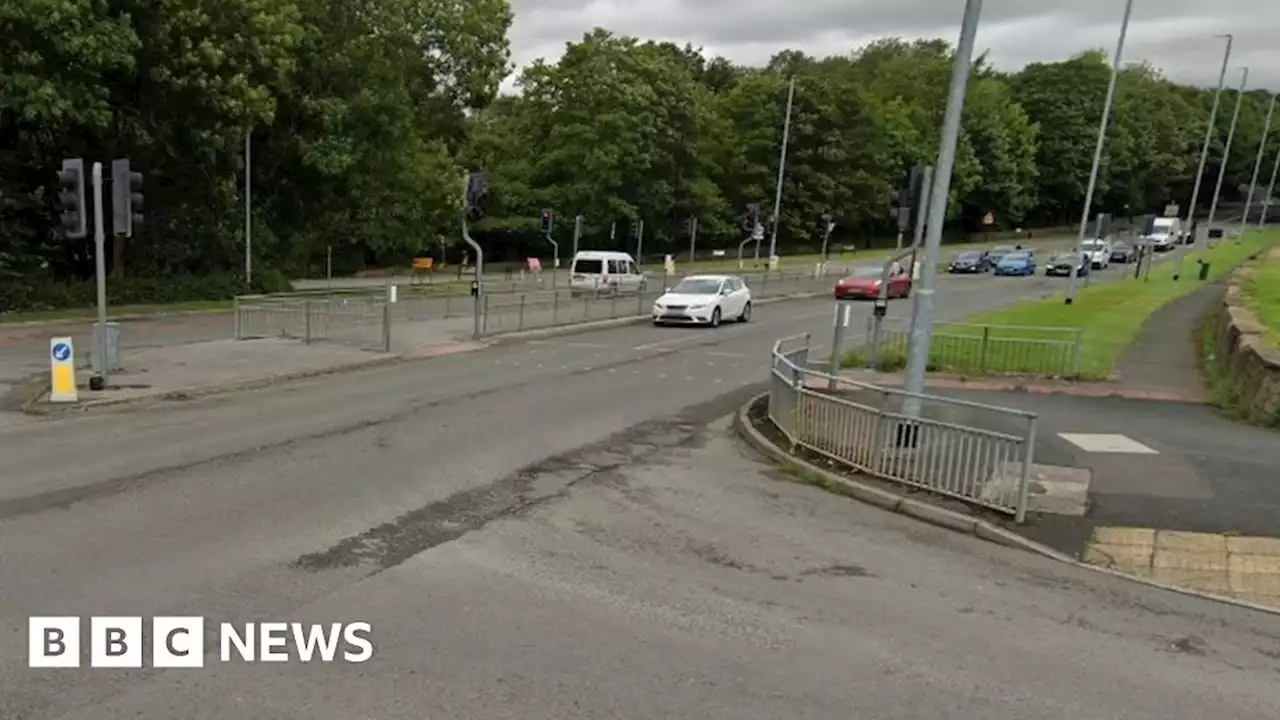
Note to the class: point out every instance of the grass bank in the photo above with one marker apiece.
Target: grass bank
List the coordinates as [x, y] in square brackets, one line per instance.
[1262, 293]
[1110, 315]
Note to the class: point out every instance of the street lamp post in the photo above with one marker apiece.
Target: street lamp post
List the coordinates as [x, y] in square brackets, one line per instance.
[922, 311]
[1271, 188]
[1226, 155]
[782, 166]
[1097, 148]
[1204, 150]
[1257, 164]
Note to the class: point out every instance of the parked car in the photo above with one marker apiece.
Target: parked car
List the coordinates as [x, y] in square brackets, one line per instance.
[1060, 264]
[864, 283]
[1099, 252]
[1021, 262]
[971, 262]
[997, 253]
[1124, 251]
[704, 300]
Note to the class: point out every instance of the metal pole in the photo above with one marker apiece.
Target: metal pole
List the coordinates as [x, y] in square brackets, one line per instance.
[1271, 188]
[1257, 164]
[479, 280]
[1204, 151]
[640, 243]
[693, 239]
[826, 238]
[577, 233]
[328, 266]
[926, 182]
[100, 365]
[248, 218]
[1097, 149]
[782, 166]
[1226, 155]
[922, 317]
[837, 341]
[555, 259]
[740, 246]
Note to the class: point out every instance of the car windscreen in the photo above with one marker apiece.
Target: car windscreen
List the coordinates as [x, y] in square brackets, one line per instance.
[867, 272]
[1089, 245]
[968, 257]
[1015, 257]
[1162, 226]
[1001, 250]
[697, 286]
[1064, 259]
[588, 267]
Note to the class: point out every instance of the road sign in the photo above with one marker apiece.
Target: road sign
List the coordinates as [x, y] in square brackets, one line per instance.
[1171, 210]
[62, 378]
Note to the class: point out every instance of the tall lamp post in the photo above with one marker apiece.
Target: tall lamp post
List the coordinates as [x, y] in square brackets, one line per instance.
[1204, 149]
[1097, 148]
[1226, 155]
[1257, 164]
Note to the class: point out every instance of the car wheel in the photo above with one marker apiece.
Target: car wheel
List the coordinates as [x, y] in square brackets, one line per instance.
[715, 318]
[746, 313]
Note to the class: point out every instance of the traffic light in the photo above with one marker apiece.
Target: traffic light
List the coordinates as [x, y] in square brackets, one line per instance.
[126, 198]
[751, 218]
[71, 198]
[477, 195]
[909, 199]
[548, 221]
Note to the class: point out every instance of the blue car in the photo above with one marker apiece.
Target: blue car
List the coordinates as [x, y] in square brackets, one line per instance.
[1017, 263]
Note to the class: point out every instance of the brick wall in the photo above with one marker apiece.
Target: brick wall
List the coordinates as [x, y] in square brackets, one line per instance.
[1245, 354]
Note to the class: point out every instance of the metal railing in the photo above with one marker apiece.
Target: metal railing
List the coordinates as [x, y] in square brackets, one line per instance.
[980, 454]
[984, 349]
[362, 322]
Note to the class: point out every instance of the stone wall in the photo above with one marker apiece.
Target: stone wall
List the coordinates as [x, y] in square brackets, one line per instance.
[1244, 354]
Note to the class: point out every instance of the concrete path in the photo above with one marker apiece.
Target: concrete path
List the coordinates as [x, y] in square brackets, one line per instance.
[562, 529]
[1164, 356]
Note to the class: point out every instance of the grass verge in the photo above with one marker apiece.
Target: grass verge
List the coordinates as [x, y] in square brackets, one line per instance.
[194, 306]
[1040, 337]
[1262, 294]
[1109, 316]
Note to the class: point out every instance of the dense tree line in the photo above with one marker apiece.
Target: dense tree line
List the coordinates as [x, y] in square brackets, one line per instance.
[365, 115]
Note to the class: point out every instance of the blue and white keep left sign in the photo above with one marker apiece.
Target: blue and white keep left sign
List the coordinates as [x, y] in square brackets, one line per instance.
[62, 370]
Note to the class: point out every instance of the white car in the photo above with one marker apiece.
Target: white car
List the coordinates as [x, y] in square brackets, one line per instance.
[1099, 252]
[704, 300]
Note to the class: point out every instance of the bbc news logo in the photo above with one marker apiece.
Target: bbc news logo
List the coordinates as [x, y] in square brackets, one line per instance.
[179, 642]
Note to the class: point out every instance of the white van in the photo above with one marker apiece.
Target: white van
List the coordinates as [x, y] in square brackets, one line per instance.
[1165, 233]
[598, 272]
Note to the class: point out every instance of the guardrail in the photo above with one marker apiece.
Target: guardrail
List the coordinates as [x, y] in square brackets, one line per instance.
[363, 322]
[980, 454]
[985, 349]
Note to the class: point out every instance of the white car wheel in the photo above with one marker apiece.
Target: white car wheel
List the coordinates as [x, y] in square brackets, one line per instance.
[715, 317]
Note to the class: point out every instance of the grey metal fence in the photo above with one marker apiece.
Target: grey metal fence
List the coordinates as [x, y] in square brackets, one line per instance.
[981, 454]
[984, 349]
[362, 322]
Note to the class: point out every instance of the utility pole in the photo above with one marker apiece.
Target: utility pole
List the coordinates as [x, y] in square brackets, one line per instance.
[1257, 164]
[1271, 188]
[782, 167]
[922, 316]
[577, 232]
[639, 242]
[248, 218]
[1204, 150]
[1226, 155]
[1097, 150]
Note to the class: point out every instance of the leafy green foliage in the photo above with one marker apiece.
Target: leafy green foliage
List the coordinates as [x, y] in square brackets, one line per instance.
[365, 116]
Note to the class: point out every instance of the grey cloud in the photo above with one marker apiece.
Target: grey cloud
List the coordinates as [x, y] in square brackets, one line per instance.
[1175, 35]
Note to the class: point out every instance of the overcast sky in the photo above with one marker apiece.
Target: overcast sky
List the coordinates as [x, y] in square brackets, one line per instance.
[1174, 35]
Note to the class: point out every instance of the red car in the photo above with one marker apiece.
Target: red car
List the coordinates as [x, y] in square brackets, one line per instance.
[864, 284]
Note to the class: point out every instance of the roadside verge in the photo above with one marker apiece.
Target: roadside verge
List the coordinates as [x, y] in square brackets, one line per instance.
[752, 416]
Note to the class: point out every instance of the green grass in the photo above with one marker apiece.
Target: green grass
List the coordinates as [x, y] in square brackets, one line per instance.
[969, 349]
[194, 306]
[1262, 294]
[1110, 315]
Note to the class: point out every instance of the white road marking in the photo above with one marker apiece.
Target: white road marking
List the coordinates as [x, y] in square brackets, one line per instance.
[1107, 443]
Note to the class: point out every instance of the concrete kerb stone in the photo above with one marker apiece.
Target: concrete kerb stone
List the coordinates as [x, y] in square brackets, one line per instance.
[943, 517]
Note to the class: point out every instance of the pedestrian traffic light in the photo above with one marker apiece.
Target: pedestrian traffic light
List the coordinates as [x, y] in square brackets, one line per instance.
[477, 195]
[71, 198]
[548, 221]
[126, 198]
[751, 218]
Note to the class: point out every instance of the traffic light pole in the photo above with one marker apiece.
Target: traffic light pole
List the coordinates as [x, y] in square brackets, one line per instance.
[101, 368]
[693, 239]
[477, 288]
[555, 258]
[640, 243]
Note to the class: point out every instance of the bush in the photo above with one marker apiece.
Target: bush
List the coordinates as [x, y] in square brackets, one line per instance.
[47, 295]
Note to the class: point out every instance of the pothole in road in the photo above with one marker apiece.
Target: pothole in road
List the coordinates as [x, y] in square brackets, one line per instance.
[416, 531]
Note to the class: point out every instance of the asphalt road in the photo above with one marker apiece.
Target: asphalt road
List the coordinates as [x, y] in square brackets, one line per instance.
[563, 529]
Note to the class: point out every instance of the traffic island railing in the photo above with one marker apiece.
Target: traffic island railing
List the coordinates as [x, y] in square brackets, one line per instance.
[357, 321]
[977, 349]
[977, 453]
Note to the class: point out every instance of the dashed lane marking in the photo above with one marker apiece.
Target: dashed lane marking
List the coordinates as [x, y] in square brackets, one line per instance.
[1107, 443]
